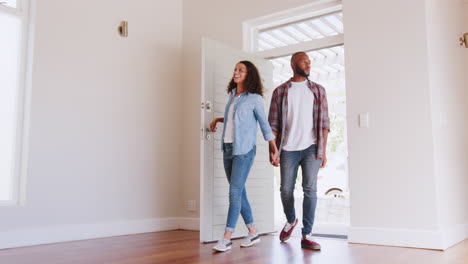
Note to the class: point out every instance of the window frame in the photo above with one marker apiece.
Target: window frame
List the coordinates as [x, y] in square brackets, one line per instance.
[251, 28]
[25, 12]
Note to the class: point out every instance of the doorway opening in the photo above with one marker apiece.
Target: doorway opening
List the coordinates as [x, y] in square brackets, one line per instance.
[316, 29]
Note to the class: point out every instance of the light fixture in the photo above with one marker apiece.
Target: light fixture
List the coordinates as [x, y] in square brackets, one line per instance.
[464, 40]
[123, 29]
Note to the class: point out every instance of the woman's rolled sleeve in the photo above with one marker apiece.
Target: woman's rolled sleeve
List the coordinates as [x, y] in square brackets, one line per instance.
[262, 120]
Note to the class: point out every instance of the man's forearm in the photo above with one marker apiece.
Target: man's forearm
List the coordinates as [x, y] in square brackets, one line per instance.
[275, 133]
[325, 138]
[272, 145]
[273, 142]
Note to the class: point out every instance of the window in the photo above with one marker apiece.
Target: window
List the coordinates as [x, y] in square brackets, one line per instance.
[10, 3]
[300, 31]
[14, 42]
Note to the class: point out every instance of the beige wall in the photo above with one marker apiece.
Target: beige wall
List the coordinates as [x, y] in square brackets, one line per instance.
[105, 115]
[465, 22]
[219, 20]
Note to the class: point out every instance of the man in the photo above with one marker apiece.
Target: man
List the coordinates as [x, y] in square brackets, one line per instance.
[299, 119]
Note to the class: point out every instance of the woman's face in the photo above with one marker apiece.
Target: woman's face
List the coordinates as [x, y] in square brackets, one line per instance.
[240, 73]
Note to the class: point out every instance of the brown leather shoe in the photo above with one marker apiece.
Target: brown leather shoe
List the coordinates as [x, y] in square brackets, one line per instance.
[308, 243]
[287, 231]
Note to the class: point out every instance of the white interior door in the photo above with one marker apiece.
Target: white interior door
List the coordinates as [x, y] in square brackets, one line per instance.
[218, 65]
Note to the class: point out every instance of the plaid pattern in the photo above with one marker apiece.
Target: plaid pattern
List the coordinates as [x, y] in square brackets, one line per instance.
[279, 112]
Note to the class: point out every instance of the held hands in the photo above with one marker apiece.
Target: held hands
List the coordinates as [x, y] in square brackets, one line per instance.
[274, 157]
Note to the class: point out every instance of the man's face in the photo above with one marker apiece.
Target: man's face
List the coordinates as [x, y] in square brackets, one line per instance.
[301, 65]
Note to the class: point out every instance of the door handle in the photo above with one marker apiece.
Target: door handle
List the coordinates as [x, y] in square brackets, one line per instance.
[208, 135]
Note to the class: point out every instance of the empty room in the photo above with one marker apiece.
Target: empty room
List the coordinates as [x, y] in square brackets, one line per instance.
[215, 131]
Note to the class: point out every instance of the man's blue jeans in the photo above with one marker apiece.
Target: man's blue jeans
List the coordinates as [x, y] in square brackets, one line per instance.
[237, 169]
[290, 161]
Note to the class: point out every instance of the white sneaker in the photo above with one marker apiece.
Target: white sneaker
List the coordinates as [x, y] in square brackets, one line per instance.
[223, 245]
[250, 240]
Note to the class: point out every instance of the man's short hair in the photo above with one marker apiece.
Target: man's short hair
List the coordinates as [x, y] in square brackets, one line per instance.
[293, 57]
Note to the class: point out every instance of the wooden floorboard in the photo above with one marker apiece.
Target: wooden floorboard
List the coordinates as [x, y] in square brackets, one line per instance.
[183, 247]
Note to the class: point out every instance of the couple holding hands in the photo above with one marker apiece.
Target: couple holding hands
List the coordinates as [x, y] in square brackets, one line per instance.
[296, 129]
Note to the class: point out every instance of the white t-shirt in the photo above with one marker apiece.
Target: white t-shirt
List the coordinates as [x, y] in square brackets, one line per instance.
[299, 125]
[229, 133]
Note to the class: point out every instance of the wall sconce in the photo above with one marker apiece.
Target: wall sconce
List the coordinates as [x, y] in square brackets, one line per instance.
[464, 40]
[123, 29]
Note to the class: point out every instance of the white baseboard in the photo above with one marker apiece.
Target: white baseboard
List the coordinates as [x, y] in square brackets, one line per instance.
[453, 235]
[396, 237]
[189, 224]
[466, 231]
[56, 234]
[335, 229]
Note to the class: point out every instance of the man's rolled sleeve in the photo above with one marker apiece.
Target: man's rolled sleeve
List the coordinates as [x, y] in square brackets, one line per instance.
[325, 116]
[273, 115]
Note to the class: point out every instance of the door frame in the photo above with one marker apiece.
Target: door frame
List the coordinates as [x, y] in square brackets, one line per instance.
[251, 29]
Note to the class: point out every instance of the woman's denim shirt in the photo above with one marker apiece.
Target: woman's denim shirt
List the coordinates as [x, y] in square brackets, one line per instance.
[247, 111]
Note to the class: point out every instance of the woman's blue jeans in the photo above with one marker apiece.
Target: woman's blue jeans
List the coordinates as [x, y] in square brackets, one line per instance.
[290, 162]
[237, 169]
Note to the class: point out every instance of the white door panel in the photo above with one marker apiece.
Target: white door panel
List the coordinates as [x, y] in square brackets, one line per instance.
[218, 65]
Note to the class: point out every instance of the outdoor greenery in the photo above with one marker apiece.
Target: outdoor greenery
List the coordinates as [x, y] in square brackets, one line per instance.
[336, 138]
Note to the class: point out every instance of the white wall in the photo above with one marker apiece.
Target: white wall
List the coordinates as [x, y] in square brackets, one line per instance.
[105, 122]
[219, 20]
[448, 64]
[406, 173]
[391, 171]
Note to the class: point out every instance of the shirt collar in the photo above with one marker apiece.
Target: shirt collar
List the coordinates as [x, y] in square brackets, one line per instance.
[289, 83]
[309, 84]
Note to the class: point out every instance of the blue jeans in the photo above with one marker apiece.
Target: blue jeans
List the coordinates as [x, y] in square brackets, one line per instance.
[290, 161]
[237, 169]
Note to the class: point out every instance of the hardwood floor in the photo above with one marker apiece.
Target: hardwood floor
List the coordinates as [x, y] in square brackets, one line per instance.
[181, 247]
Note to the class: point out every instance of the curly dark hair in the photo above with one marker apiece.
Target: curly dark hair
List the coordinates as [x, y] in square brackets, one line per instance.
[253, 82]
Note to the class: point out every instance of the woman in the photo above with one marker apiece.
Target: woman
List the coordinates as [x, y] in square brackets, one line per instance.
[243, 110]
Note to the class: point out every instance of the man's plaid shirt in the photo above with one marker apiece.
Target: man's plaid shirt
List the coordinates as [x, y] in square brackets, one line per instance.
[279, 112]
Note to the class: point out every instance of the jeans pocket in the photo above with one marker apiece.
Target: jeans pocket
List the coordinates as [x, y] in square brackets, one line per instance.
[312, 150]
[227, 148]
